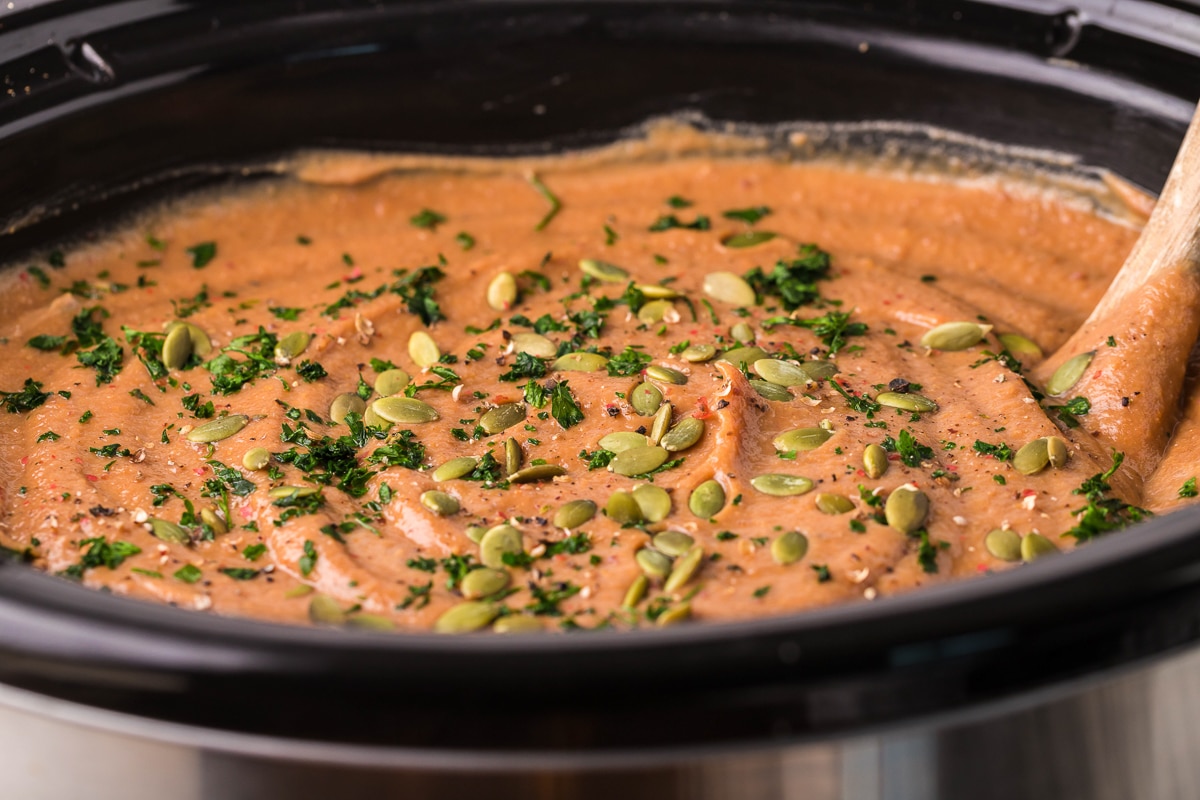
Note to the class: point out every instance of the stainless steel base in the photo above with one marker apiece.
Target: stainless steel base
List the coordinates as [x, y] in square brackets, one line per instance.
[1135, 735]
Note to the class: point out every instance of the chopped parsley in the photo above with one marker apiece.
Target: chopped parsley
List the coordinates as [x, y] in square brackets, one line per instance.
[525, 366]
[748, 215]
[427, 219]
[100, 553]
[563, 406]
[29, 397]
[667, 222]
[202, 254]
[1187, 490]
[1000, 452]
[794, 282]
[1103, 513]
[910, 450]
[629, 361]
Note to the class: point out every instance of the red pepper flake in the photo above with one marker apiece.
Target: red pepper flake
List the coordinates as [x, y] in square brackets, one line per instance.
[354, 274]
[92, 478]
[702, 410]
[24, 460]
[1028, 493]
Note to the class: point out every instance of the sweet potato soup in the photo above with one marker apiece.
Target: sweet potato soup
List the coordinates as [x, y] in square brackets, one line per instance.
[603, 394]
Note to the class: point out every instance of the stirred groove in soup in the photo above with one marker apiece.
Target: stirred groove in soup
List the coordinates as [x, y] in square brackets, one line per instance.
[611, 393]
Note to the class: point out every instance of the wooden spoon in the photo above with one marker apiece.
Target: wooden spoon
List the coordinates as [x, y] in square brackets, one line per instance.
[1151, 311]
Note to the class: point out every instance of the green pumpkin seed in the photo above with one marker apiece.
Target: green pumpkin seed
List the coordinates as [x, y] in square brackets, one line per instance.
[680, 612]
[502, 292]
[533, 344]
[789, 548]
[292, 492]
[728, 287]
[480, 583]
[291, 346]
[646, 399]
[1066, 376]
[638, 461]
[345, 404]
[169, 532]
[666, 374]
[300, 590]
[1032, 458]
[603, 271]
[622, 508]
[684, 570]
[778, 485]
[830, 503]
[770, 391]
[820, 370]
[440, 503]
[1056, 449]
[466, 617]
[1018, 345]
[177, 348]
[218, 429]
[501, 418]
[370, 622]
[574, 514]
[325, 610]
[707, 499]
[698, 353]
[201, 344]
[214, 522]
[955, 336]
[620, 441]
[686, 433]
[654, 502]
[653, 563]
[657, 311]
[518, 623]
[781, 373]
[747, 239]
[661, 423]
[906, 509]
[636, 592]
[498, 541]
[801, 439]
[1004, 545]
[475, 533]
[742, 332]
[906, 402]
[405, 410]
[373, 420]
[655, 291]
[673, 543]
[536, 473]
[513, 456]
[391, 382]
[454, 469]
[743, 355]
[256, 458]
[1034, 546]
[423, 350]
[875, 461]
[580, 362]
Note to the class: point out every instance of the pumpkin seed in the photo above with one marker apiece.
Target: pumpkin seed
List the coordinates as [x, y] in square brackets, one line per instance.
[657, 311]
[728, 287]
[512, 456]
[673, 543]
[680, 612]
[440, 503]
[423, 350]
[789, 548]
[405, 410]
[603, 271]
[466, 617]
[580, 362]
[906, 509]
[502, 291]
[800, 439]
[646, 398]
[622, 508]
[1056, 449]
[684, 570]
[698, 353]
[501, 418]
[638, 461]
[475, 533]
[291, 346]
[325, 610]
[1032, 458]
[742, 332]
[620, 441]
[656, 291]
[256, 458]
[743, 355]
[707, 499]
[685, 434]
[480, 583]
[370, 622]
[653, 563]
[574, 514]
[654, 502]
[1004, 545]
[292, 492]
[1068, 374]
[537, 472]
[345, 404]
[955, 336]
[1034, 546]
[661, 423]
[214, 522]
[169, 532]
[666, 374]
[781, 373]
[778, 485]
[635, 592]
[534, 344]
[390, 382]
[177, 348]
[831, 503]
[518, 623]
[201, 344]
[454, 469]
[875, 461]
[498, 541]
[218, 429]
[770, 391]
[747, 239]
[373, 420]
[906, 402]
[820, 370]
[1018, 345]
